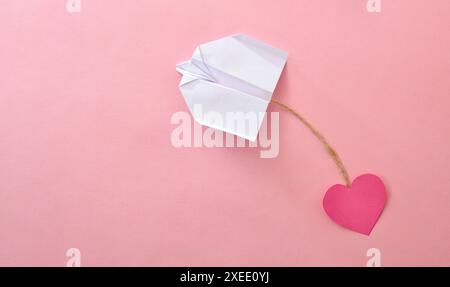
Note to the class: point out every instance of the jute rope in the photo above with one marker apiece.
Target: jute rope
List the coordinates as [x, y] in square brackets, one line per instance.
[330, 150]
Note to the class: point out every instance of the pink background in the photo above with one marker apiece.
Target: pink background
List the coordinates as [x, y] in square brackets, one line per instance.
[86, 159]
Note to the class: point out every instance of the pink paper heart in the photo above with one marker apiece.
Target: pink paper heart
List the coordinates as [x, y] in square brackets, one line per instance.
[357, 207]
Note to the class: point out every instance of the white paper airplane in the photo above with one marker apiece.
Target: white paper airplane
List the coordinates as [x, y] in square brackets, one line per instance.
[236, 76]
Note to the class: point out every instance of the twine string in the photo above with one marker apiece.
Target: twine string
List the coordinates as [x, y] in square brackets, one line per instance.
[329, 149]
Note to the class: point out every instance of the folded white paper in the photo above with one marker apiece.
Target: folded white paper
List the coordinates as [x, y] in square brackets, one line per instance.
[229, 78]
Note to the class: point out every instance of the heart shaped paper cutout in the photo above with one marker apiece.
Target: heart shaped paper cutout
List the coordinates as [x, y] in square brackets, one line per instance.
[359, 206]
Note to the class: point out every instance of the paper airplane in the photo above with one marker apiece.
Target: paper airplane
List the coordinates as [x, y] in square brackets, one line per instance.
[233, 77]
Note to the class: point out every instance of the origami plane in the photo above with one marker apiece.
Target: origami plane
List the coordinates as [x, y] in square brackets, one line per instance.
[235, 74]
